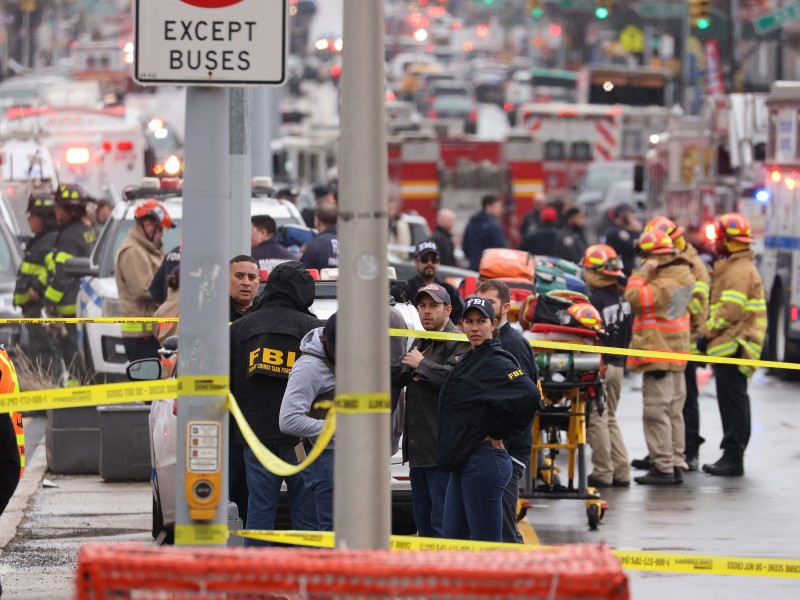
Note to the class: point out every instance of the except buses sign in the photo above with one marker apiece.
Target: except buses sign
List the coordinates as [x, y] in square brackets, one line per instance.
[211, 42]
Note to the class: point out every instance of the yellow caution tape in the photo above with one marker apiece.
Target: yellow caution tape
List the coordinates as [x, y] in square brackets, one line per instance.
[205, 534]
[629, 559]
[708, 565]
[89, 395]
[203, 385]
[269, 461]
[379, 402]
[546, 344]
[81, 320]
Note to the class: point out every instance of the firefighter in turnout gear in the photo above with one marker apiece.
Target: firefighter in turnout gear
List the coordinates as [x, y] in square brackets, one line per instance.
[698, 312]
[139, 258]
[659, 293]
[12, 440]
[32, 281]
[736, 327]
[75, 239]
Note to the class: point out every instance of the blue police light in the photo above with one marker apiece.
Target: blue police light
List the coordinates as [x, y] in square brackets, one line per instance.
[762, 195]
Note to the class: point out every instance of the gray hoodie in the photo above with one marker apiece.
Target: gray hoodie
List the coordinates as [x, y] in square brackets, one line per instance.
[309, 378]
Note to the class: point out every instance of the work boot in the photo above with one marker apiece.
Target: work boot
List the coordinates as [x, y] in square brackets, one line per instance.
[678, 475]
[656, 477]
[642, 463]
[692, 458]
[727, 466]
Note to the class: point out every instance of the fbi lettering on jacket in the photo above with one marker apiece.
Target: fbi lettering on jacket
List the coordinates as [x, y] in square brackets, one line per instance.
[271, 361]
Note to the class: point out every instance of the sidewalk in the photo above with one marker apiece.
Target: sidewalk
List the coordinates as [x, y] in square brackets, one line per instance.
[43, 528]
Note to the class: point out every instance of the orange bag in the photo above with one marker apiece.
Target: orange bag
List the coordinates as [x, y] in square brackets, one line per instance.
[9, 384]
[502, 263]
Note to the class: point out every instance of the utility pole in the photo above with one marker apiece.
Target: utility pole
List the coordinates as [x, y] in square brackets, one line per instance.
[362, 502]
[735, 35]
[204, 345]
[686, 34]
[265, 125]
[239, 147]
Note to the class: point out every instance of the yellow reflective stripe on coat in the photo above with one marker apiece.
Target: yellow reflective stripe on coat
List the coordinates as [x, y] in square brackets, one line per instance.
[53, 295]
[67, 310]
[50, 262]
[21, 299]
[702, 288]
[734, 296]
[62, 257]
[726, 349]
[695, 306]
[137, 328]
[756, 305]
[37, 270]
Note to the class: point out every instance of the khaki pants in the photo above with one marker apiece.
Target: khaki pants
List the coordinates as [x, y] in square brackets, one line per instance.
[609, 456]
[664, 398]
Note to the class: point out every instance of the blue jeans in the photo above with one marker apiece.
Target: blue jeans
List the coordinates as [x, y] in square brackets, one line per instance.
[265, 489]
[318, 479]
[428, 489]
[473, 506]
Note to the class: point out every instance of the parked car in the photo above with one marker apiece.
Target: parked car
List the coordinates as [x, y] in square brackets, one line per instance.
[101, 344]
[456, 108]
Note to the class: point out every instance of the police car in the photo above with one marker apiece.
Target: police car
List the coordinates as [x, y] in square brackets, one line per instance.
[101, 344]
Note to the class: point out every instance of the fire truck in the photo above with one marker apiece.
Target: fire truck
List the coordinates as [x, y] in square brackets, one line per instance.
[574, 135]
[780, 265]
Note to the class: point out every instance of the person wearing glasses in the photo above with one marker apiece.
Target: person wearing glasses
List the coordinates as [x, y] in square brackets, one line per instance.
[487, 398]
[427, 260]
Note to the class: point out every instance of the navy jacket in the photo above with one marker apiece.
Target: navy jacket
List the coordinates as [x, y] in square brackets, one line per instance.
[323, 251]
[513, 342]
[270, 254]
[617, 322]
[483, 231]
[487, 393]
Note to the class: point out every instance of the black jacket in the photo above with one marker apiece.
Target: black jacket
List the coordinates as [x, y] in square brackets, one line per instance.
[617, 322]
[571, 244]
[405, 291]
[270, 254]
[265, 345]
[421, 429]
[75, 239]
[544, 241]
[624, 243]
[445, 245]
[513, 342]
[33, 272]
[158, 286]
[9, 460]
[487, 393]
[323, 251]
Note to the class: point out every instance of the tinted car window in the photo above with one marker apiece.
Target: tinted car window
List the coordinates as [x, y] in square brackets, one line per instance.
[8, 267]
[445, 103]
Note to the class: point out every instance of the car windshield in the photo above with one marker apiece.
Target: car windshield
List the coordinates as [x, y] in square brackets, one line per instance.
[599, 179]
[163, 141]
[452, 103]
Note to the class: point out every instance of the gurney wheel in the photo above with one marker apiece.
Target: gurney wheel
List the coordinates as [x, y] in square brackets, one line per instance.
[593, 513]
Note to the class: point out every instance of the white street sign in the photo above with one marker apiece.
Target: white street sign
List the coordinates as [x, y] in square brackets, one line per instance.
[211, 42]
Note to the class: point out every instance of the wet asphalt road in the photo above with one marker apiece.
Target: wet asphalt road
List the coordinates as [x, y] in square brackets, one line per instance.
[751, 516]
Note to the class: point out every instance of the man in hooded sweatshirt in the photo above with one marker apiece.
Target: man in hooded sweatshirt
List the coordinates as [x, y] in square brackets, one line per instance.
[265, 345]
[313, 381]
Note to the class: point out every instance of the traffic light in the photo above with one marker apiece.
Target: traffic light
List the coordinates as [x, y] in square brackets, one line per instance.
[603, 9]
[700, 13]
[535, 8]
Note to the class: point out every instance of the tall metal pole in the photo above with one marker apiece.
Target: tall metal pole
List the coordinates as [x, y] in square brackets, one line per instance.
[239, 147]
[204, 345]
[686, 33]
[735, 34]
[362, 516]
[265, 123]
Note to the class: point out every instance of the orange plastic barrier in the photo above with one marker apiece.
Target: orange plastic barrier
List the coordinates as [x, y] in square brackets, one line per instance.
[149, 573]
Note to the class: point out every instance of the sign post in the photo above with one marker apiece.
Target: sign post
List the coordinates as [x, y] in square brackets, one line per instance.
[208, 45]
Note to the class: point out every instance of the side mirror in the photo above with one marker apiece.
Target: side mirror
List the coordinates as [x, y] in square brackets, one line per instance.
[81, 267]
[146, 369]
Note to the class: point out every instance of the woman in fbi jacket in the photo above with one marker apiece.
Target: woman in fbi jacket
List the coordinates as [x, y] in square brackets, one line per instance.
[486, 399]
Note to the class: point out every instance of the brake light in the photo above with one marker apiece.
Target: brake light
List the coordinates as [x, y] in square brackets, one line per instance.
[170, 183]
[158, 169]
[432, 114]
[508, 107]
[473, 116]
[390, 96]
[336, 70]
[776, 176]
[108, 146]
[77, 156]
[124, 146]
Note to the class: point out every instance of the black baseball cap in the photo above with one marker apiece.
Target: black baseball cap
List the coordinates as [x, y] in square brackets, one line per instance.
[435, 291]
[426, 247]
[480, 304]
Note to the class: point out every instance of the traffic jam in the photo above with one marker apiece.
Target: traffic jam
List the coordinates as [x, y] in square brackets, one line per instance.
[594, 311]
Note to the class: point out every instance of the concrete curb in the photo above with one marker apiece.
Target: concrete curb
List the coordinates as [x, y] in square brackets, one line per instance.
[22, 498]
